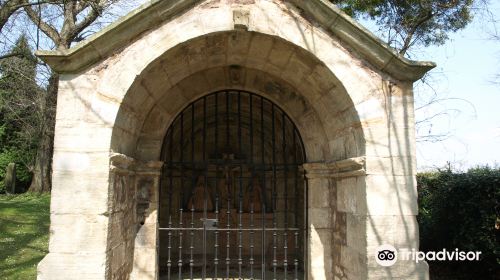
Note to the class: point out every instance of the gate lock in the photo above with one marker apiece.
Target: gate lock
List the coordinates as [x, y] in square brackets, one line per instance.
[209, 223]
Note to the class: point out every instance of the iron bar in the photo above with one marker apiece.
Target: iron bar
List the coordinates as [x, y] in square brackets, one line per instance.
[228, 192]
[252, 232]
[181, 202]
[273, 135]
[179, 262]
[285, 184]
[193, 186]
[240, 193]
[263, 241]
[205, 191]
[216, 233]
[169, 248]
[191, 247]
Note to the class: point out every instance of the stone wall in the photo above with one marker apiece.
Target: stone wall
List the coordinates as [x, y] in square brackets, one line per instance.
[123, 219]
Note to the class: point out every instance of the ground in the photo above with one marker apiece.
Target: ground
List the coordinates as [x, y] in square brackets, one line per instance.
[24, 228]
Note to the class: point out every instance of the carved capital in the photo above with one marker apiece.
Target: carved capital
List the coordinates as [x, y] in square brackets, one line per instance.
[120, 163]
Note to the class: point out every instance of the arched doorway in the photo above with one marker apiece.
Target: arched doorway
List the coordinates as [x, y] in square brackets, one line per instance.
[233, 194]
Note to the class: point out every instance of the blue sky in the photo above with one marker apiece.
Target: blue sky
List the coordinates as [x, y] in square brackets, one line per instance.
[466, 69]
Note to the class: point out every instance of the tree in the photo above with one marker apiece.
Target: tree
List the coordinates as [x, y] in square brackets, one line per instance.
[410, 26]
[60, 23]
[9, 7]
[19, 110]
[413, 23]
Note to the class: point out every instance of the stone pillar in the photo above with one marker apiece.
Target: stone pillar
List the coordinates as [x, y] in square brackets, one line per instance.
[351, 213]
[327, 225]
[10, 178]
[147, 184]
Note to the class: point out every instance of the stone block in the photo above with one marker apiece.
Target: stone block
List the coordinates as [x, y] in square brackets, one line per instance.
[69, 187]
[237, 47]
[320, 192]
[83, 139]
[156, 123]
[350, 196]
[173, 101]
[320, 218]
[353, 262]
[78, 234]
[61, 266]
[259, 49]
[146, 236]
[280, 54]
[145, 265]
[400, 166]
[391, 195]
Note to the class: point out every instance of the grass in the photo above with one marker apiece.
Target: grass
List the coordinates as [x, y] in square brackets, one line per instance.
[24, 234]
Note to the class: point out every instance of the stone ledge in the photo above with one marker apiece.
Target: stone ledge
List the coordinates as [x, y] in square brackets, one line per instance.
[352, 167]
[121, 163]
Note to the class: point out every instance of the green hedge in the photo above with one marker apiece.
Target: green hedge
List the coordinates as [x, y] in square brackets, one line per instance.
[461, 210]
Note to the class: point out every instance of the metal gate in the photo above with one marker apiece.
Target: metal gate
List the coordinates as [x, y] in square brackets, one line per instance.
[233, 194]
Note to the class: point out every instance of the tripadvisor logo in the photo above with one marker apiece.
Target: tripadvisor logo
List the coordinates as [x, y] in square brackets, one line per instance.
[387, 255]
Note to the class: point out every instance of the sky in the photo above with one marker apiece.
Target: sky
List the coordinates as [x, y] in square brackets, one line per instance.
[466, 69]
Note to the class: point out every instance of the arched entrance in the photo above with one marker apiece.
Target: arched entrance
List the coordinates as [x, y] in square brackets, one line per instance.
[232, 198]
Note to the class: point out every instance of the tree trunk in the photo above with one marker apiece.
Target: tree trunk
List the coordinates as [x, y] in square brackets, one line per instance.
[41, 181]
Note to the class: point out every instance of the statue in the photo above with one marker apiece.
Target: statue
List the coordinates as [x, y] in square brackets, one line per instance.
[197, 199]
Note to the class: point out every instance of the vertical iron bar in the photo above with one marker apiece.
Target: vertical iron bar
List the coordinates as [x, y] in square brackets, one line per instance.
[296, 261]
[252, 232]
[229, 191]
[171, 170]
[227, 120]
[191, 247]
[285, 185]
[205, 193]
[169, 248]
[273, 135]
[216, 260]
[240, 195]
[296, 182]
[179, 262]
[228, 236]
[193, 186]
[263, 252]
[216, 233]
[181, 203]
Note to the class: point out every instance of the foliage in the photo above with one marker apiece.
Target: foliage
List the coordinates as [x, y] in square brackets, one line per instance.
[24, 234]
[462, 210]
[52, 24]
[19, 112]
[408, 23]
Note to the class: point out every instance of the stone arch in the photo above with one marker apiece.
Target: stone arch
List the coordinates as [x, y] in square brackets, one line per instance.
[294, 79]
[319, 104]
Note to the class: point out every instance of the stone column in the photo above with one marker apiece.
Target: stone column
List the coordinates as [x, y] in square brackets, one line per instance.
[133, 230]
[145, 265]
[326, 224]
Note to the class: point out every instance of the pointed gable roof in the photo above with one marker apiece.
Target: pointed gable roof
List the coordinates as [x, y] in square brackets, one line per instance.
[117, 35]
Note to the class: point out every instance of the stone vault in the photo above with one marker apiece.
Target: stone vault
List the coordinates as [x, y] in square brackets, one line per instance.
[349, 96]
